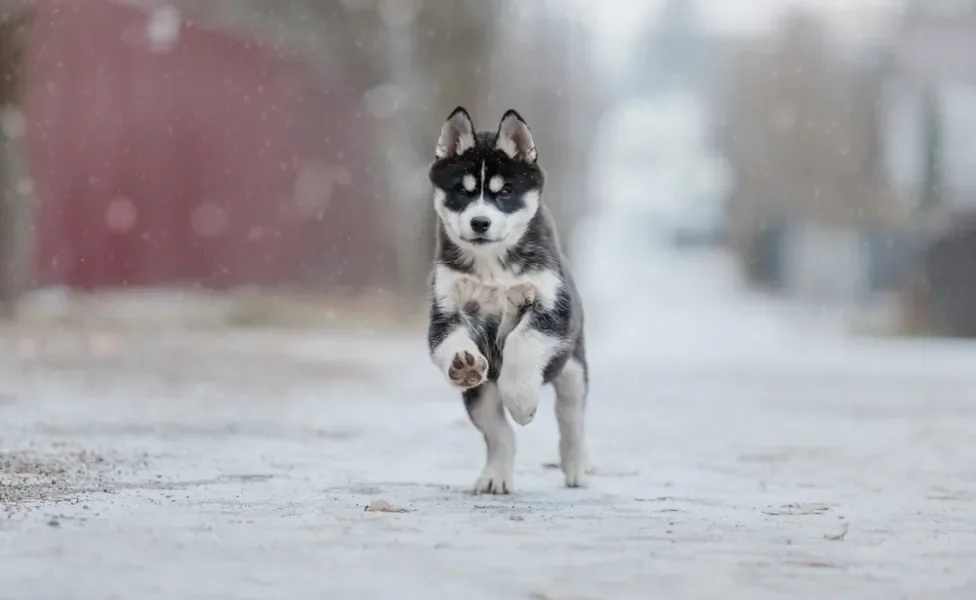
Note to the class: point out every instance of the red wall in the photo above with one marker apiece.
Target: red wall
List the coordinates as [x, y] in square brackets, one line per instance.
[208, 163]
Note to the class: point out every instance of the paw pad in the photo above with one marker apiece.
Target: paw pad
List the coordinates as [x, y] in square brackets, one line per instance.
[468, 370]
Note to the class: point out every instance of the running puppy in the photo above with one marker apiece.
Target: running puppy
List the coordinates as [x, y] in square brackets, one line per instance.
[505, 316]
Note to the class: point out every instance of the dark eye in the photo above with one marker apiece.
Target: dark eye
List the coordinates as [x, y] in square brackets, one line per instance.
[459, 189]
[505, 192]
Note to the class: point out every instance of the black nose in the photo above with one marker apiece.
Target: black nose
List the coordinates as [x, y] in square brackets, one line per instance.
[480, 224]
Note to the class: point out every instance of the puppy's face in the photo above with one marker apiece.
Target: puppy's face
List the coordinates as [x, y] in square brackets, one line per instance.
[487, 186]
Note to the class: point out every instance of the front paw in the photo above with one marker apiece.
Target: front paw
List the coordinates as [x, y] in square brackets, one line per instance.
[468, 369]
[494, 480]
[520, 395]
[573, 463]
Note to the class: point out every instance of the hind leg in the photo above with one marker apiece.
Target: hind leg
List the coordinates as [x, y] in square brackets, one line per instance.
[571, 387]
[484, 406]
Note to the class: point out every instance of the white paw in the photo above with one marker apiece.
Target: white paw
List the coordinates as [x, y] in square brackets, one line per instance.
[494, 480]
[572, 460]
[468, 369]
[575, 472]
[520, 395]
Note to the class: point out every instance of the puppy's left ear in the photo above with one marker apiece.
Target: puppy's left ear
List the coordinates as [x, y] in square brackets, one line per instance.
[515, 139]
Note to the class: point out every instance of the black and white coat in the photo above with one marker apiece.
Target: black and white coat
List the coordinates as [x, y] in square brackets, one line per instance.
[505, 315]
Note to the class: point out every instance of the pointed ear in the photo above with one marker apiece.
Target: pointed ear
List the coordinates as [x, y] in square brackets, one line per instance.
[515, 139]
[457, 135]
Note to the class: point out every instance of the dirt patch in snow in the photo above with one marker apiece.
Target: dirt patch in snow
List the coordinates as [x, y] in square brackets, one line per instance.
[28, 476]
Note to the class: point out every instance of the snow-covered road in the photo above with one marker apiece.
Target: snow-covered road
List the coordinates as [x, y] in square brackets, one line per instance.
[739, 450]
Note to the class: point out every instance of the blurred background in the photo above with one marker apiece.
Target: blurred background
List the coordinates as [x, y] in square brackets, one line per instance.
[274, 151]
[215, 236]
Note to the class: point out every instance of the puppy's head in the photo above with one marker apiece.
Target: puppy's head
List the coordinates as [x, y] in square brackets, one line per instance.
[487, 186]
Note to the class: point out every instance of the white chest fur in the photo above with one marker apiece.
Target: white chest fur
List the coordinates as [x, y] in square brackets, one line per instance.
[496, 291]
[490, 297]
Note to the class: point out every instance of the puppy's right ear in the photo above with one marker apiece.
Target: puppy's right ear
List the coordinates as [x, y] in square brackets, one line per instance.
[457, 135]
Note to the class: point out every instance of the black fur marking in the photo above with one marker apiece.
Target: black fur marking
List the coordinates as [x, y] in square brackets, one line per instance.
[450, 254]
[448, 175]
[555, 322]
[471, 398]
[484, 333]
[460, 110]
[579, 353]
[508, 113]
[440, 326]
[534, 252]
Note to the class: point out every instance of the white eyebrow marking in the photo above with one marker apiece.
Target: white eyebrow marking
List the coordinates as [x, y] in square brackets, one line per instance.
[469, 182]
[496, 184]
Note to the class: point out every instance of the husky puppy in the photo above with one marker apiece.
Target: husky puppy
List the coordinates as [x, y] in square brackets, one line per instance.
[505, 316]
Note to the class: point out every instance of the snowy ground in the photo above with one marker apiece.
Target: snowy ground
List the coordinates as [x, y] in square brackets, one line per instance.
[740, 450]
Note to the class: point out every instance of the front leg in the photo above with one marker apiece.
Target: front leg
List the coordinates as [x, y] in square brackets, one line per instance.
[486, 412]
[454, 351]
[537, 338]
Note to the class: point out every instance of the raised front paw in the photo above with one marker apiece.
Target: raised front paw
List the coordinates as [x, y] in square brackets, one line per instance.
[520, 395]
[468, 369]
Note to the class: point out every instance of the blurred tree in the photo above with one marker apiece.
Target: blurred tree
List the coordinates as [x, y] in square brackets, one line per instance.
[453, 44]
[15, 202]
[563, 108]
[932, 179]
[801, 133]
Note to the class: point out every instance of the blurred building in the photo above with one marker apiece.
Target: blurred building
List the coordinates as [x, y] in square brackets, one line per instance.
[163, 150]
[851, 155]
[930, 129]
[276, 143]
[800, 124]
[928, 94]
